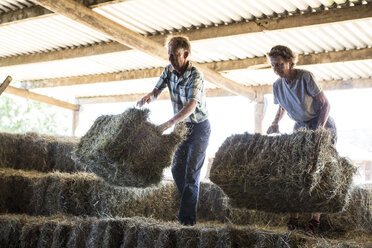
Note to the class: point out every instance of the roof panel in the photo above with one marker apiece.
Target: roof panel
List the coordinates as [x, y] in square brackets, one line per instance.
[45, 34]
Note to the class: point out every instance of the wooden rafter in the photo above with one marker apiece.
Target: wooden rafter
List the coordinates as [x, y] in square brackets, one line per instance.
[135, 97]
[310, 59]
[5, 84]
[295, 21]
[86, 16]
[36, 11]
[40, 98]
[264, 89]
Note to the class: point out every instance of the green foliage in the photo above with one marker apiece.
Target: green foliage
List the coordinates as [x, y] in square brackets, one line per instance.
[18, 115]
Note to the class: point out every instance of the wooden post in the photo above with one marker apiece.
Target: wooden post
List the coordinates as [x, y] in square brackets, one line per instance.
[5, 84]
[75, 121]
[259, 113]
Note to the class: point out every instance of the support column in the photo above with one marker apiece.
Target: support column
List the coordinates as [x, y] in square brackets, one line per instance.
[75, 121]
[259, 113]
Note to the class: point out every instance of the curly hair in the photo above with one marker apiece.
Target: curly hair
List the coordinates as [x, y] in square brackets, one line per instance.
[285, 52]
[180, 42]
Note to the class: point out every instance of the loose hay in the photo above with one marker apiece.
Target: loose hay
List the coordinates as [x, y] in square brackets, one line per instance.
[301, 172]
[128, 150]
[32, 151]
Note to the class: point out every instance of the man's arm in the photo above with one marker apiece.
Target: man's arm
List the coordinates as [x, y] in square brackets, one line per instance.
[185, 112]
[322, 100]
[274, 127]
[149, 97]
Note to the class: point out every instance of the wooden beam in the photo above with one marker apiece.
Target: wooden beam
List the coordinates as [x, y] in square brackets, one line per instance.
[309, 59]
[62, 54]
[218, 92]
[360, 83]
[27, 13]
[40, 98]
[5, 84]
[84, 15]
[254, 63]
[295, 21]
[36, 11]
[91, 79]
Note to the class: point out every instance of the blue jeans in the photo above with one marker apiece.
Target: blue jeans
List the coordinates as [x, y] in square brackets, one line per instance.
[187, 163]
[311, 124]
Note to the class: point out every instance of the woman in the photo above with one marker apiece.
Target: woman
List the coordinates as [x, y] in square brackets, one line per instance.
[298, 93]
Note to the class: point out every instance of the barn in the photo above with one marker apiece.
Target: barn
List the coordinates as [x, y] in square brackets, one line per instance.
[88, 58]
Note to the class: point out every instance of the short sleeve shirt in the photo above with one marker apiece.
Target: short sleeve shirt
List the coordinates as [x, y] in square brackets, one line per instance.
[182, 88]
[298, 98]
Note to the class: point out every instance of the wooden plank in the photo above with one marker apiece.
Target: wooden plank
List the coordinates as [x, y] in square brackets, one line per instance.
[5, 84]
[252, 63]
[36, 11]
[135, 97]
[125, 36]
[40, 98]
[360, 83]
[263, 90]
[295, 21]
[308, 59]
[63, 54]
[91, 79]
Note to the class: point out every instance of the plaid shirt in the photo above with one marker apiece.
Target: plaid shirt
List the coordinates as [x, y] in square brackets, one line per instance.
[181, 89]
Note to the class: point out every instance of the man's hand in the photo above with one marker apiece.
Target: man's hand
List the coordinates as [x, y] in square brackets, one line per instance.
[164, 126]
[274, 128]
[146, 99]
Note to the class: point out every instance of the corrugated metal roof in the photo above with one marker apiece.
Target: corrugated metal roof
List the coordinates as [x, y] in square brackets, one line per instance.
[9, 5]
[306, 40]
[56, 32]
[147, 17]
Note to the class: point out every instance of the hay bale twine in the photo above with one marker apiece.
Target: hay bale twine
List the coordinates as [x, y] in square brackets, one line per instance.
[128, 150]
[299, 172]
[33, 151]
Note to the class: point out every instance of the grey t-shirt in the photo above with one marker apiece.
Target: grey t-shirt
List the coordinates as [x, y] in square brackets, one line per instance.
[298, 98]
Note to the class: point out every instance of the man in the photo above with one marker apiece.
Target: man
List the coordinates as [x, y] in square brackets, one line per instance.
[298, 93]
[186, 89]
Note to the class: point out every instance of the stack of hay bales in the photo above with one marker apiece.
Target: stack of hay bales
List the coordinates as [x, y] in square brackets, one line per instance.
[65, 231]
[84, 194]
[32, 151]
[128, 150]
[298, 172]
[82, 202]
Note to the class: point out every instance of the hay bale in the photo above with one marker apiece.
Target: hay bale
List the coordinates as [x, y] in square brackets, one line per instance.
[32, 151]
[82, 194]
[85, 194]
[298, 172]
[128, 150]
[356, 217]
[67, 231]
